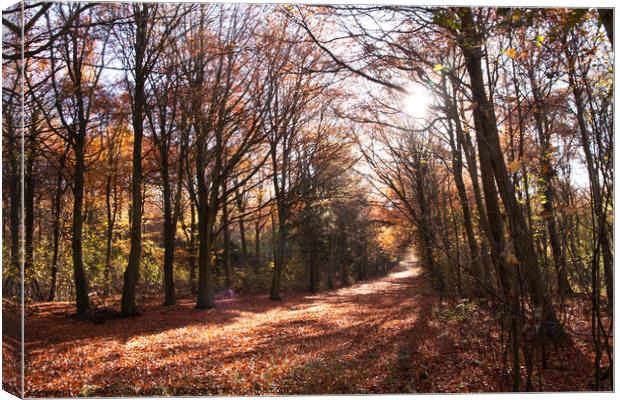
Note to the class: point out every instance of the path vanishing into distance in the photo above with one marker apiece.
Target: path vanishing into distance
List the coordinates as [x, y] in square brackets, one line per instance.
[375, 336]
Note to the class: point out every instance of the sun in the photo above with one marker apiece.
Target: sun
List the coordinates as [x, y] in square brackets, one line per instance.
[416, 103]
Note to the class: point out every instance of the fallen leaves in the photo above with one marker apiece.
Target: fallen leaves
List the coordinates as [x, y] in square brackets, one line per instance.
[375, 337]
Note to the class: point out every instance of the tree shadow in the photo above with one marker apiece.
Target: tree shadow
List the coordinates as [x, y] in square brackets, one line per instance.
[380, 336]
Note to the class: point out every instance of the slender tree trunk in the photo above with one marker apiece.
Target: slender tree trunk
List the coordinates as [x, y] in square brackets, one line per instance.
[314, 268]
[131, 276]
[488, 137]
[606, 16]
[595, 187]
[547, 174]
[13, 153]
[331, 261]
[29, 189]
[244, 245]
[426, 227]
[57, 208]
[468, 149]
[457, 171]
[310, 236]
[225, 222]
[257, 244]
[15, 208]
[279, 256]
[111, 212]
[192, 249]
[169, 229]
[344, 271]
[169, 237]
[206, 220]
[79, 275]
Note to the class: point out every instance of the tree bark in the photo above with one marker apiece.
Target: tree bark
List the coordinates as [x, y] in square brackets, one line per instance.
[457, 172]
[131, 275]
[279, 257]
[595, 187]
[488, 139]
[547, 174]
[226, 229]
[331, 261]
[192, 250]
[57, 208]
[607, 18]
[257, 244]
[79, 275]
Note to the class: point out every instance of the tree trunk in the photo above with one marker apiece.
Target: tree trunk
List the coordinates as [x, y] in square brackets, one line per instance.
[111, 212]
[79, 275]
[226, 229]
[257, 244]
[29, 189]
[488, 137]
[207, 209]
[130, 281]
[15, 219]
[244, 245]
[457, 171]
[330, 263]
[205, 243]
[547, 174]
[427, 226]
[192, 249]
[314, 268]
[607, 18]
[57, 208]
[169, 230]
[279, 256]
[595, 187]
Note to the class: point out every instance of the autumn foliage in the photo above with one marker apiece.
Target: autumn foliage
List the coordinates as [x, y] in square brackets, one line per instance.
[282, 199]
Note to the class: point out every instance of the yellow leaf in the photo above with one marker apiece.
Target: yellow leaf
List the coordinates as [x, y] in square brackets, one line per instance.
[512, 53]
[437, 67]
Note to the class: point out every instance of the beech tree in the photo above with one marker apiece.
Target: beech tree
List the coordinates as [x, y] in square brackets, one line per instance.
[208, 150]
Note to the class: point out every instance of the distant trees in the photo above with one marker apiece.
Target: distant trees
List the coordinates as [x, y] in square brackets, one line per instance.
[211, 149]
[11, 160]
[70, 107]
[496, 110]
[141, 42]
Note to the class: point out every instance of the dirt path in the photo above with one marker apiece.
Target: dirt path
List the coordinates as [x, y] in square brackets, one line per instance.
[382, 336]
[352, 340]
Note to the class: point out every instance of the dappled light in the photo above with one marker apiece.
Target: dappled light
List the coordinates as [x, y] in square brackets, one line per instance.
[281, 199]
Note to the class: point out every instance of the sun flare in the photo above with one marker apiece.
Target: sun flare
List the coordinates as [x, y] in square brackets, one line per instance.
[416, 103]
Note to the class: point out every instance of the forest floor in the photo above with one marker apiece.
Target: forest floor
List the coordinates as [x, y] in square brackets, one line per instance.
[389, 335]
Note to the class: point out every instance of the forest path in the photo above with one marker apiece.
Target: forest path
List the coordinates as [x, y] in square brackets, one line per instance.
[355, 339]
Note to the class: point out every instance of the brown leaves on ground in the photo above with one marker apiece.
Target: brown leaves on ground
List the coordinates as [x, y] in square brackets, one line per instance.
[11, 349]
[384, 336]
